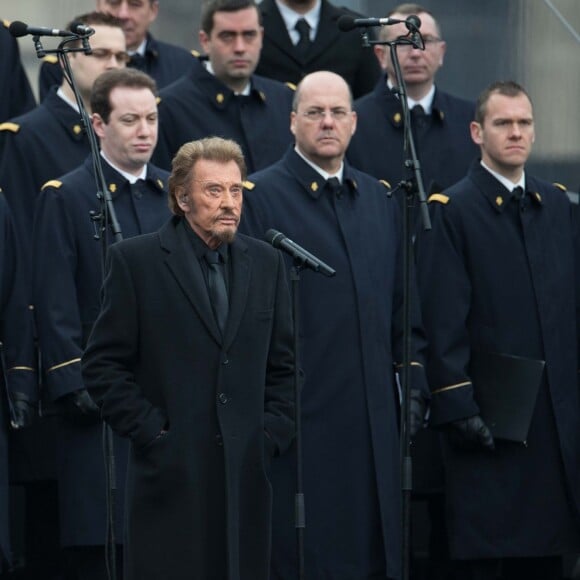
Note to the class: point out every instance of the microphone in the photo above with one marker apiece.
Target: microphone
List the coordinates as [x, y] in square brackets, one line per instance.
[346, 23]
[18, 29]
[81, 29]
[305, 258]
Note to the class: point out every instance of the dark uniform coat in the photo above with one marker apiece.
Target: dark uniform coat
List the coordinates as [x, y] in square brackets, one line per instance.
[16, 95]
[36, 147]
[198, 498]
[502, 278]
[162, 61]
[18, 368]
[199, 105]
[350, 328]
[67, 281]
[331, 49]
[443, 141]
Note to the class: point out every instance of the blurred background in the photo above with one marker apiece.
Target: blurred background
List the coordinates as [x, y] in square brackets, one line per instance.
[535, 42]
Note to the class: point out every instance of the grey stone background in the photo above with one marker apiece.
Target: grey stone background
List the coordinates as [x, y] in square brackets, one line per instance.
[486, 40]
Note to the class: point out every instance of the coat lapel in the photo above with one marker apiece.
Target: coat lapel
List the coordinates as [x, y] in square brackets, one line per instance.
[276, 30]
[327, 31]
[188, 274]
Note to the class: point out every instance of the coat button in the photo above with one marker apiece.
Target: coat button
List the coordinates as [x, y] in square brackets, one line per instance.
[219, 440]
[226, 361]
[223, 398]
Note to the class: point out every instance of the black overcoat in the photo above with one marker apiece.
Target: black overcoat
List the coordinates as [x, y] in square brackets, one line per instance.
[198, 499]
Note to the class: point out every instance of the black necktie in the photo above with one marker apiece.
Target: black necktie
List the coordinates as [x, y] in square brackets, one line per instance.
[518, 196]
[420, 121]
[334, 186]
[218, 294]
[138, 61]
[303, 29]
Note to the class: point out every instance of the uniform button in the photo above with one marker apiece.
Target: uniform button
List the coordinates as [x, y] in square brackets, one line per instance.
[226, 361]
[223, 398]
[219, 440]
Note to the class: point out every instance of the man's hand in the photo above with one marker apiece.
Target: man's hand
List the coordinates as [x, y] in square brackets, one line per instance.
[24, 410]
[470, 433]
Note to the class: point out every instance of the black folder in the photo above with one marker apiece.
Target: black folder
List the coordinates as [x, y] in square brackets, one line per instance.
[506, 388]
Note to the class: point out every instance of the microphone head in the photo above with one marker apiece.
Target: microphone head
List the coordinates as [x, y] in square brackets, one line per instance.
[413, 23]
[273, 237]
[18, 29]
[81, 29]
[346, 23]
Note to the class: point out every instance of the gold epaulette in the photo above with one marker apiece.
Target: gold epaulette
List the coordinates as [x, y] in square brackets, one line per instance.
[560, 186]
[249, 185]
[50, 59]
[291, 86]
[12, 127]
[441, 198]
[385, 183]
[52, 183]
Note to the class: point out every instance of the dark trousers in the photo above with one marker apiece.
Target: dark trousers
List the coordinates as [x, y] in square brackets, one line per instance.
[89, 563]
[546, 568]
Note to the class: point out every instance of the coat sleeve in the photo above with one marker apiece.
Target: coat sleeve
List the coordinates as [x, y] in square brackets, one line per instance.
[111, 356]
[16, 324]
[54, 290]
[279, 402]
[445, 293]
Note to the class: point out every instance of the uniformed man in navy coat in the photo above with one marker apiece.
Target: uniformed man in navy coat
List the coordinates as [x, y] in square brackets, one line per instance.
[66, 292]
[351, 342]
[49, 140]
[222, 96]
[499, 274]
[440, 120]
[302, 36]
[163, 61]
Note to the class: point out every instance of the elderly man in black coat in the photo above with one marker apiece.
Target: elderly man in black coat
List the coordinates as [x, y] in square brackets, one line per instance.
[191, 359]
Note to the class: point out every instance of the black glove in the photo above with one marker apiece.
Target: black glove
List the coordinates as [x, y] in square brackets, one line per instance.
[417, 408]
[24, 410]
[471, 433]
[80, 407]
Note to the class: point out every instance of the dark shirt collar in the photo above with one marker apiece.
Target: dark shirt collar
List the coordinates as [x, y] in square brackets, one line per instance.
[200, 247]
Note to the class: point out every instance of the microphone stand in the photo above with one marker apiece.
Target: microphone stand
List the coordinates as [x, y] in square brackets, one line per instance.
[105, 219]
[413, 188]
[299, 509]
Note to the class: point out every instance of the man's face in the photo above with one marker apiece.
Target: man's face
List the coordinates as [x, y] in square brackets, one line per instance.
[324, 121]
[137, 17]
[108, 44]
[212, 202]
[418, 67]
[234, 45]
[128, 139]
[507, 133]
